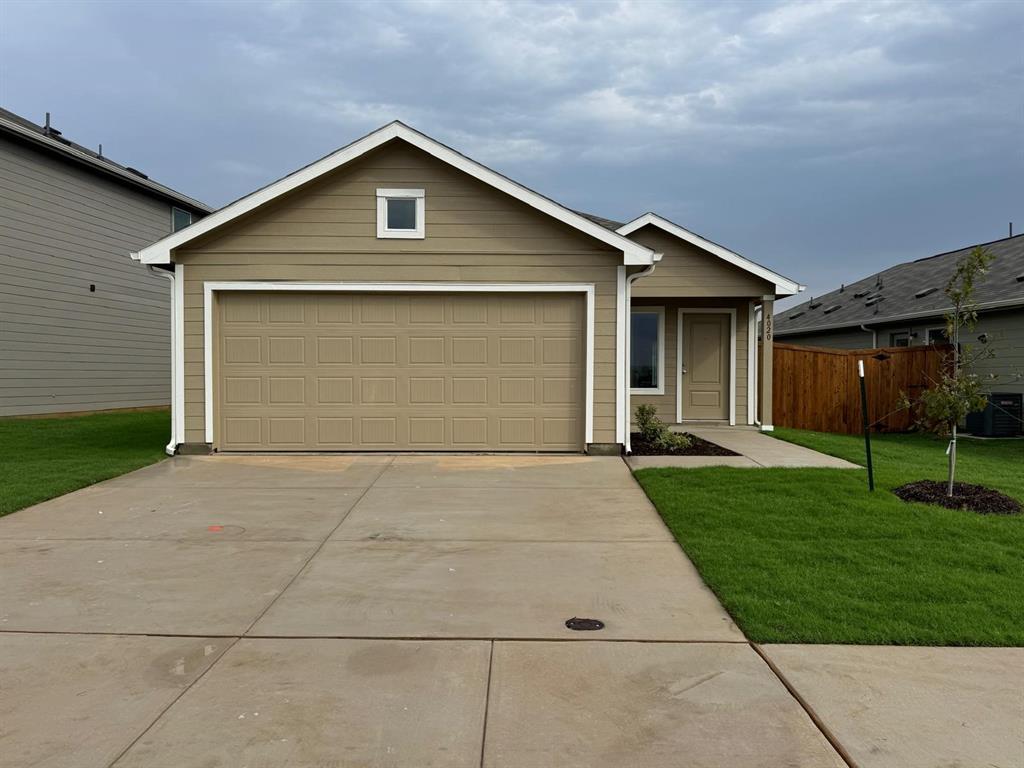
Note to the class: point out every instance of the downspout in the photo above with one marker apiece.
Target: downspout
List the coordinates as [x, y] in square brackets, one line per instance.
[630, 279]
[173, 444]
[758, 336]
[874, 335]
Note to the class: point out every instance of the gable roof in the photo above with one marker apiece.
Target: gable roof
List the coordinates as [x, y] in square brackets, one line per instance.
[160, 251]
[913, 289]
[51, 140]
[783, 285]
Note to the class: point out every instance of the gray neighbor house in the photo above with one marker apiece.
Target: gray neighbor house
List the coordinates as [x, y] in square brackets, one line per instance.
[905, 306]
[82, 328]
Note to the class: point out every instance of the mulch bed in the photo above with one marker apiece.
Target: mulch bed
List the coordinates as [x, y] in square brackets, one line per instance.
[697, 447]
[974, 498]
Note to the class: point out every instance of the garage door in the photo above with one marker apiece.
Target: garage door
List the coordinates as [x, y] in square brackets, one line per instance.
[379, 372]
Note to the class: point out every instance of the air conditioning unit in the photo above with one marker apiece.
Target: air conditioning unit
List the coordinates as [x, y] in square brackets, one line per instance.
[1000, 418]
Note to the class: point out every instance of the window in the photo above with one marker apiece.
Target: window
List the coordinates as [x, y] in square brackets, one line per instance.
[400, 213]
[901, 339]
[180, 218]
[647, 351]
[937, 336]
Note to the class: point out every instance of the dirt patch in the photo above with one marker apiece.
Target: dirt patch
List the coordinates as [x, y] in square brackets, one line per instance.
[974, 498]
[697, 447]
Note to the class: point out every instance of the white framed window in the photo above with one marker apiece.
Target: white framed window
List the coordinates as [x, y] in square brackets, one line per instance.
[647, 351]
[937, 336]
[400, 214]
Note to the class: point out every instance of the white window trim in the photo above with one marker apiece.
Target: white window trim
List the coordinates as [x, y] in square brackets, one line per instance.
[383, 233]
[160, 252]
[927, 332]
[731, 311]
[587, 289]
[660, 312]
[191, 217]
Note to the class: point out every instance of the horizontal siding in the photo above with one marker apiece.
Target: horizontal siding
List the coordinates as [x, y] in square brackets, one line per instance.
[64, 347]
[666, 404]
[838, 339]
[686, 270]
[327, 232]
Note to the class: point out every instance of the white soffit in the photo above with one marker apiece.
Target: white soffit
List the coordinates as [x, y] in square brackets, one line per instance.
[783, 285]
[160, 251]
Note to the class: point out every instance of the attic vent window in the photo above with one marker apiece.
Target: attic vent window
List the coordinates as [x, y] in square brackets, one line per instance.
[795, 315]
[401, 214]
[924, 292]
[831, 309]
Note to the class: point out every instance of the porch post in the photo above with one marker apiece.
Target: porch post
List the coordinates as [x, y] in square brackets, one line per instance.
[767, 334]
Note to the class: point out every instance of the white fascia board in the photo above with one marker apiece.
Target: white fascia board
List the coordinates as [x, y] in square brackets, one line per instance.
[160, 251]
[783, 285]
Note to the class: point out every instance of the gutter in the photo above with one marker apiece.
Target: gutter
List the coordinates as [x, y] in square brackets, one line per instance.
[629, 322]
[171, 446]
[107, 168]
[984, 306]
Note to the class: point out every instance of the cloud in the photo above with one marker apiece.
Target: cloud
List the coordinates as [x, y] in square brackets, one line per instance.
[770, 126]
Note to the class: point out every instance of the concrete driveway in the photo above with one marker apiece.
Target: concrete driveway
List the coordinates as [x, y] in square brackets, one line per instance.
[374, 610]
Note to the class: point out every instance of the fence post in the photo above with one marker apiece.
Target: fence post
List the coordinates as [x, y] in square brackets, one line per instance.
[867, 426]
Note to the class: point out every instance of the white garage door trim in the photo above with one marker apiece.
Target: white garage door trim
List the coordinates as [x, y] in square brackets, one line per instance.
[340, 287]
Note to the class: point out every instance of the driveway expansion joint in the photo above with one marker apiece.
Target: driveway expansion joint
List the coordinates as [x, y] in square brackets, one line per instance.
[815, 718]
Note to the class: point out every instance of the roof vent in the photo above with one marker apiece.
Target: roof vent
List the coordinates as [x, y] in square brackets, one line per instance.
[795, 315]
[873, 300]
[814, 304]
[1020, 278]
[136, 171]
[833, 308]
[861, 294]
[924, 292]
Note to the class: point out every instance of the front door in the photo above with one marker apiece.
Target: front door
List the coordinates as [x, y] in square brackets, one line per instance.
[705, 366]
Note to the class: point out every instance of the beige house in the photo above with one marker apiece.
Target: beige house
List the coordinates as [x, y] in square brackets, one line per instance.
[396, 295]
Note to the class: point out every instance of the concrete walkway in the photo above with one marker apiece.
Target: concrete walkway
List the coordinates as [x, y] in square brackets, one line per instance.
[756, 449]
[373, 610]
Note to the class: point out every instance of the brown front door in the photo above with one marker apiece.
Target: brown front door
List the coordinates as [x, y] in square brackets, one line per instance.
[705, 366]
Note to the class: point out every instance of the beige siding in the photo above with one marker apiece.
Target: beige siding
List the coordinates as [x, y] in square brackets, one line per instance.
[63, 347]
[686, 270]
[666, 404]
[326, 232]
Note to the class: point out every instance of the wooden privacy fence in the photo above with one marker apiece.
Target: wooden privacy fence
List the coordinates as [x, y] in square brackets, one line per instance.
[818, 388]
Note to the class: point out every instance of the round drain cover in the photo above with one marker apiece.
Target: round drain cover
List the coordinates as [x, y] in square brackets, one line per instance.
[584, 625]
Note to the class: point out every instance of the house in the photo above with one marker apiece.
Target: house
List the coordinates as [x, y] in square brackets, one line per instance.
[905, 306]
[396, 295]
[81, 327]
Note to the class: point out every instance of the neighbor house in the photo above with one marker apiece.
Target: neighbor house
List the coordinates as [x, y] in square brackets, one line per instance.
[81, 327]
[905, 306]
[396, 295]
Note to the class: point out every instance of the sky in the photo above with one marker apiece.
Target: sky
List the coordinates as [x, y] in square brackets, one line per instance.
[826, 140]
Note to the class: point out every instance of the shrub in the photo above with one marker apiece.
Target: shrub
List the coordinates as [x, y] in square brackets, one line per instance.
[656, 432]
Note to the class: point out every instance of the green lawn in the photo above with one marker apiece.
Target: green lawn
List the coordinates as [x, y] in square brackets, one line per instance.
[43, 458]
[809, 555]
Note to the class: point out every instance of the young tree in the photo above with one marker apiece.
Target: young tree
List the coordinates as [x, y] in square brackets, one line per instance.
[959, 390]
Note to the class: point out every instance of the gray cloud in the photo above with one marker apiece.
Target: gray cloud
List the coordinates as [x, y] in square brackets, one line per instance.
[826, 139]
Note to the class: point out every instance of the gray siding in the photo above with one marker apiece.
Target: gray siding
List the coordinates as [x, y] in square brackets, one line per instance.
[838, 339]
[1005, 330]
[62, 347]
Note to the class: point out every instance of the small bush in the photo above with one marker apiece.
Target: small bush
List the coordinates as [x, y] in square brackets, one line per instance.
[655, 431]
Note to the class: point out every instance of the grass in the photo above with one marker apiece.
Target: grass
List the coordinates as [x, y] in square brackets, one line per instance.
[810, 556]
[43, 458]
